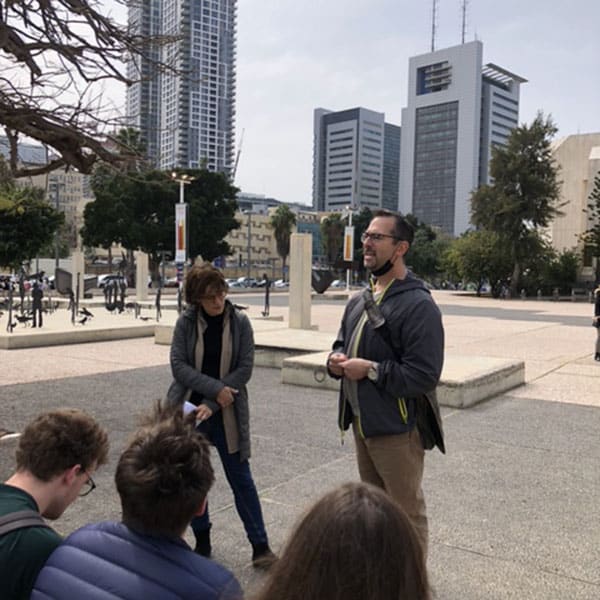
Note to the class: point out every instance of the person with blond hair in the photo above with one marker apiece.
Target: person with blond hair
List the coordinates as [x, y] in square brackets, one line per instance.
[355, 542]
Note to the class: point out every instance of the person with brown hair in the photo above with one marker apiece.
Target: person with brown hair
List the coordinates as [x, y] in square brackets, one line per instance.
[162, 478]
[212, 356]
[355, 542]
[56, 456]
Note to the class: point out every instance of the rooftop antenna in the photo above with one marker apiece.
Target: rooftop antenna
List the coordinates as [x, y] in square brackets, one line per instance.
[464, 19]
[433, 19]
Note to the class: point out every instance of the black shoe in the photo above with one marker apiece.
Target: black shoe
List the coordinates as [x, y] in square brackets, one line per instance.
[262, 556]
[203, 546]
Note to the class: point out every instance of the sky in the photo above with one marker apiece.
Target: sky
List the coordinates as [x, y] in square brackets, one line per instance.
[293, 57]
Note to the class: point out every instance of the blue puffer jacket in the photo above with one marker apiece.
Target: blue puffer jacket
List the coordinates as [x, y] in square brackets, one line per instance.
[109, 560]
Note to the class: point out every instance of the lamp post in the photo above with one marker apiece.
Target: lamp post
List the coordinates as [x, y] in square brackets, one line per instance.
[349, 245]
[181, 223]
[249, 242]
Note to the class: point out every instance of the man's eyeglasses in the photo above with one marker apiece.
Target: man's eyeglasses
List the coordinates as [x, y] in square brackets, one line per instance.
[88, 487]
[376, 237]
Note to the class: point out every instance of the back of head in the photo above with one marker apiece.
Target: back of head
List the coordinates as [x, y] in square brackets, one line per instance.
[355, 542]
[58, 440]
[164, 475]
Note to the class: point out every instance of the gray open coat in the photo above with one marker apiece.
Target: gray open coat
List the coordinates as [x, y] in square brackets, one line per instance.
[187, 377]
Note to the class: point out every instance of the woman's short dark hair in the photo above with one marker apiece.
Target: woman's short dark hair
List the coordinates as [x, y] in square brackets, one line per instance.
[403, 230]
[355, 542]
[203, 278]
[164, 475]
[56, 441]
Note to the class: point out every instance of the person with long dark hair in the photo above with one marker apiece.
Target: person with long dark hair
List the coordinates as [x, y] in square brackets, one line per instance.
[355, 542]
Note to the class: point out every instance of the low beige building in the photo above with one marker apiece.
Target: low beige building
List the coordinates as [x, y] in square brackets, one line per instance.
[578, 157]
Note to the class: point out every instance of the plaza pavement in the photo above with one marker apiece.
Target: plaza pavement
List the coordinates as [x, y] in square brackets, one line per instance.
[512, 506]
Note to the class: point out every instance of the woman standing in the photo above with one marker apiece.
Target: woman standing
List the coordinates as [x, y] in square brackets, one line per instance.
[597, 321]
[212, 355]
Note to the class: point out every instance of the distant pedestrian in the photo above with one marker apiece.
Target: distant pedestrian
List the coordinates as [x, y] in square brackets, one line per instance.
[37, 293]
[596, 321]
[267, 283]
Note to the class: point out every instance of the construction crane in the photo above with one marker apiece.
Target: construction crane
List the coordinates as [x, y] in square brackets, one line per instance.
[237, 157]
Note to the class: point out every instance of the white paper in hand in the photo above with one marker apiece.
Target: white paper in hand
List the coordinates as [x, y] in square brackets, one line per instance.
[188, 407]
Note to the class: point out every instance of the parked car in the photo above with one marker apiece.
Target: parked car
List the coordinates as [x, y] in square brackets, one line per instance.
[104, 279]
[338, 283]
[280, 283]
[247, 281]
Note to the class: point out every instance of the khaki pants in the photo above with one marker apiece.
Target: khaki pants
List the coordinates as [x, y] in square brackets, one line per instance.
[395, 463]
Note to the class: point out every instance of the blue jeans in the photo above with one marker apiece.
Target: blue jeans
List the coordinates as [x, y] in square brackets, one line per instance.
[240, 481]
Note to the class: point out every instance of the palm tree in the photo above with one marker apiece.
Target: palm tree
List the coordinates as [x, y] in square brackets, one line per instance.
[282, 222]
[332, 236]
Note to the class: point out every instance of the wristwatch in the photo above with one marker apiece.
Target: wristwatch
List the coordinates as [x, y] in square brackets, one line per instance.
[373, 372]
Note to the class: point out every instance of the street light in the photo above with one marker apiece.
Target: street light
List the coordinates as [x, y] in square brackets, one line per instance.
[349, 244]
[181, 223]
[183, 180]
[249, 243]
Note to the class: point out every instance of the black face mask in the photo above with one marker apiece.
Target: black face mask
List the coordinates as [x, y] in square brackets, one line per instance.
[383, 269]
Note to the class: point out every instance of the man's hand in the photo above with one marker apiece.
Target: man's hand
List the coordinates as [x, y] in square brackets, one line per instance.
[334, 363]
[226, 396]
[203, 413]
[355, 368]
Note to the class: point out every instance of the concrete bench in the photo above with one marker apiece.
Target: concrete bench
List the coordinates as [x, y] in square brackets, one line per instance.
[301, 356]
[465, 381]
[581, 294]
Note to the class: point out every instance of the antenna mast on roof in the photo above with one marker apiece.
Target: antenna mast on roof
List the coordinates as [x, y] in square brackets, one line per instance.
[433, 19]
[464, 19]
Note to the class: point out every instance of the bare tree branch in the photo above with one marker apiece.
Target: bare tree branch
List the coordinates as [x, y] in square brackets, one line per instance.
[67, 48]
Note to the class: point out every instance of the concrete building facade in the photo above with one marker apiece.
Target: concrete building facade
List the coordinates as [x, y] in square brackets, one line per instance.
[355, 160]
[457, 110]
[578, 158]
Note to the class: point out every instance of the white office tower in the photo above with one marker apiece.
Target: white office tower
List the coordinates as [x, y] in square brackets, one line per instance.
[196, 104]
[352, 163]
[457, 110]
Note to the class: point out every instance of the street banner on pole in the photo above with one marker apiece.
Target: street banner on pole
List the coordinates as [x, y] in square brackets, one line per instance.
[349, 244]
[181, 232]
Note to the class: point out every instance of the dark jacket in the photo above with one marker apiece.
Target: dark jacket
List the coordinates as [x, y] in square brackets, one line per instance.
[410, 352]
[110, 560]
[187, 377]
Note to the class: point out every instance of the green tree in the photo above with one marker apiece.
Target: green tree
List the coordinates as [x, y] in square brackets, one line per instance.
[561, 271]
[332, 237]
[477, 256]
[524, 194]
[427, 249]
[137, 210]
[27, 223]
[591, 237]
[282, 222]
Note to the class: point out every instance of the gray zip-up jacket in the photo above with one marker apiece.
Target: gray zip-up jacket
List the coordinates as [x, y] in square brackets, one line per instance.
[188, 377]
[410, 353]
